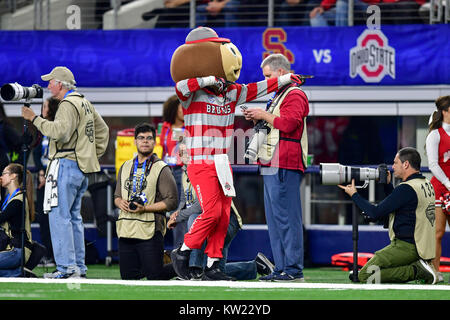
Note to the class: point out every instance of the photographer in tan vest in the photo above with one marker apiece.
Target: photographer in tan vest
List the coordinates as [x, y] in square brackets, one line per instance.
[78, 138]
[145, 191]
[408, 212]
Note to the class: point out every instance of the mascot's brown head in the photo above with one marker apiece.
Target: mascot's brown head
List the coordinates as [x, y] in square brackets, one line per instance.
[205, 54]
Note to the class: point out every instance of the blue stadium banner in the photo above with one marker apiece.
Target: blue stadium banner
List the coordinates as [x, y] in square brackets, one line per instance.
[392, 55]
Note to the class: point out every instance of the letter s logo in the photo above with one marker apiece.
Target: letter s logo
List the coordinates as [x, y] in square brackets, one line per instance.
[273, 39]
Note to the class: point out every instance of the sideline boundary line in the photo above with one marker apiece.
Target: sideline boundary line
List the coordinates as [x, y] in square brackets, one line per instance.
[234, 284]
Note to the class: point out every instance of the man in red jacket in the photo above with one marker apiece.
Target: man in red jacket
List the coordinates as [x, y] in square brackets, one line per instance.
[282, 174]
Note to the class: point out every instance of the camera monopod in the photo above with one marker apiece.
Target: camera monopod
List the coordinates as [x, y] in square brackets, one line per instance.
[355, 238]
[25, 149]
[334, 174]
[15, 92]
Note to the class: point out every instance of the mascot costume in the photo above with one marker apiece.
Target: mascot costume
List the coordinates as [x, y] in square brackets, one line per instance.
[205, 69]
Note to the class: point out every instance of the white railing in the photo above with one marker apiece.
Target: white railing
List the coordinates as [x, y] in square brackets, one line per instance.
[118, 14]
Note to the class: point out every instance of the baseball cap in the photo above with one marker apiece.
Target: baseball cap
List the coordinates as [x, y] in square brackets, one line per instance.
[204, 34]
[61, 74]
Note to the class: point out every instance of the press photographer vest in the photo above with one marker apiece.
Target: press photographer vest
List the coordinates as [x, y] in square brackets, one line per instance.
[81, 146]
[188, 189]
[190, 196]
[425, 228]
[141, 225]
[5, 225]
[267, 149]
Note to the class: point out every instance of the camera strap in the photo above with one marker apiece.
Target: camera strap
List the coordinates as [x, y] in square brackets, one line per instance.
[290, 139]
[272, 108]
[147, 165]
[8, 197]
[65, 150]
[144, 165]
[277, 95]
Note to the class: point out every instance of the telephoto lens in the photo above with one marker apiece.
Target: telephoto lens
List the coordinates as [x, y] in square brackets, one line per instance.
[255, 143]
[335, 173]
[261, 131]
[15, 92]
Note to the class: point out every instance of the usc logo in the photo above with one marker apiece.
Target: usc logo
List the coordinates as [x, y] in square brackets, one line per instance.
[273, 42]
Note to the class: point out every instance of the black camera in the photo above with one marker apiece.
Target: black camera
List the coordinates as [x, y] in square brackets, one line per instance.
[14, 92]
[137, 199]
[334, 174]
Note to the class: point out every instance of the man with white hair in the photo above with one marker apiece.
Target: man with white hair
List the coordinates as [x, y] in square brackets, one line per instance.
[78, 138]
[282, 157]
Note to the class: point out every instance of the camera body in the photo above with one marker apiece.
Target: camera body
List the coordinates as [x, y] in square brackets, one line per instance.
[15, 92]
[137, 199]
[335, 173]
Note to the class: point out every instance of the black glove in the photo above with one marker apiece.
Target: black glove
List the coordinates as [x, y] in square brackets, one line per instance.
[221, 84]
[297, 79]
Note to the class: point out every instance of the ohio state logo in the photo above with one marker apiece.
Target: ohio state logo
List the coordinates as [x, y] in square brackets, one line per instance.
[372, 58]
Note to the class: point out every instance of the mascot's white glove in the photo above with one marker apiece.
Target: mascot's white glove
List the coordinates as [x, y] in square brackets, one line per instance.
[285, 79]
[206, 81]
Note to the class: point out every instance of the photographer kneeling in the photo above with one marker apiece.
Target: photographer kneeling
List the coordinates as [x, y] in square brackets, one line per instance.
[145, 191]
[11, 220]
[410, 210]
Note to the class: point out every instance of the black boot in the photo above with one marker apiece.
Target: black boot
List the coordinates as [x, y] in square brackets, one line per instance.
[214, 274]
[180, 262]
[195, 273]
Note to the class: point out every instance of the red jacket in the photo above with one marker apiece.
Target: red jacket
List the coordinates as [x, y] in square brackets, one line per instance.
[169, 145]
[293, 110]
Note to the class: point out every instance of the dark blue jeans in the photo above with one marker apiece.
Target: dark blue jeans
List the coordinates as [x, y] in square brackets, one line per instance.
[284, 218]
[10, 263]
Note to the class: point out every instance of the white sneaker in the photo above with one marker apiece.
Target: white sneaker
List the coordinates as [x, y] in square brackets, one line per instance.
[61, 275]
[440, 277]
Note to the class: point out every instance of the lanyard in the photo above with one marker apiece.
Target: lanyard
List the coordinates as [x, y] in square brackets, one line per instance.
[8, 197]
[136, 162]
[67, 93]
[281, 91]
[270, 101]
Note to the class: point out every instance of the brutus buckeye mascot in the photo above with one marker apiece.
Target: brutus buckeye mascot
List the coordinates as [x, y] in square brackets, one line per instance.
[205, 69]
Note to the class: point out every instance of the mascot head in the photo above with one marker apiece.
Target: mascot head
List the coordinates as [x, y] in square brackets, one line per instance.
[205, 54]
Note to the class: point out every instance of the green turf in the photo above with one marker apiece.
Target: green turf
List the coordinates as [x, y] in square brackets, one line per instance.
[95, 271]
[64, 291]
[121, 292]
[316, 275]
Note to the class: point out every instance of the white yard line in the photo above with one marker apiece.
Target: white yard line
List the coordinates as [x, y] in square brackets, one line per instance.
[236, 284]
